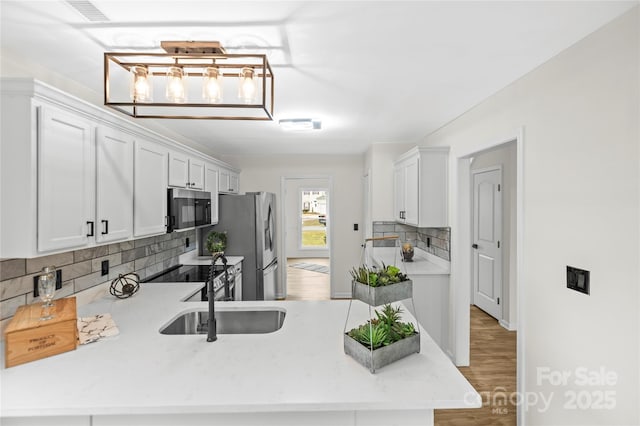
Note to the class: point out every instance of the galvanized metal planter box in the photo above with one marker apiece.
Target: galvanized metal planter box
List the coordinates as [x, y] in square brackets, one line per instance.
[381, 356]
[376, 296]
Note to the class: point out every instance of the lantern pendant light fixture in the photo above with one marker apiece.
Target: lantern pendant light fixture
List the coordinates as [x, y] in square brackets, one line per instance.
[204, 66]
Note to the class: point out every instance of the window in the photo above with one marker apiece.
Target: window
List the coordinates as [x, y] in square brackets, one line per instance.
[313, 219]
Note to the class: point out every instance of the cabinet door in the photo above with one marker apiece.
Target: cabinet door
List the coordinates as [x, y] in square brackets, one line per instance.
[211, 185]
[398, 193]
[234, 182]
[196, 174]
[178, 170]
[224, 183]
[66, 178]
[412, 186]
[114, 185]
[150, 189]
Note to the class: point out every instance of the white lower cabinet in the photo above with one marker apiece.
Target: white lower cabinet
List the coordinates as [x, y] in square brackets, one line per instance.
[431, 306]
[150, 188]
[114, 185]
[66, 178]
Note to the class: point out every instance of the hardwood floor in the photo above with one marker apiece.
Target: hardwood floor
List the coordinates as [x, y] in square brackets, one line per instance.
[492, 372]
[307, 285]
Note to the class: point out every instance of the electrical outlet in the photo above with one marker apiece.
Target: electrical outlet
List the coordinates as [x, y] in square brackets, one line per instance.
[105, 267]
[578, 279]
[58, 282]
[355, 226]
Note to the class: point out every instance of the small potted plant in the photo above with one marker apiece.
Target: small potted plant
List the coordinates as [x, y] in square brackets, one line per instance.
[379, 286]
[382, 340]
[216, 242]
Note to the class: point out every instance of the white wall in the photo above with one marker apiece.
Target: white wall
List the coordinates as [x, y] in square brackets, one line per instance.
[580, 115]
[379, 161]
[264, 173]
[505, 156]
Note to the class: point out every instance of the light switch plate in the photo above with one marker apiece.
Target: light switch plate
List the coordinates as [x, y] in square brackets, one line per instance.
[578, 279]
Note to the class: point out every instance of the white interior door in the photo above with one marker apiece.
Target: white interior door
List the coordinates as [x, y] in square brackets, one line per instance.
[487, 232]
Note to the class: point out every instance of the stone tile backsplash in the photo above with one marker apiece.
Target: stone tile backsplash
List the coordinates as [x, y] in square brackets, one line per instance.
[439, 238]
[81, 269]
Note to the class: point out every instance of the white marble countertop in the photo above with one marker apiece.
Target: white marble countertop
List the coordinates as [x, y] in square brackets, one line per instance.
[301, 367]
[192, 258]
[423, 263]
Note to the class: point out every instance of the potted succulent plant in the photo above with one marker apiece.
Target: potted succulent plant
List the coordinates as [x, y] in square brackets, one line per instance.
[379, 286]
[216, 242]
[382, 340]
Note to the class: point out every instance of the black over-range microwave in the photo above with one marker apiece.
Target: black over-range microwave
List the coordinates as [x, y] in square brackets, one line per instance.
[187, 208]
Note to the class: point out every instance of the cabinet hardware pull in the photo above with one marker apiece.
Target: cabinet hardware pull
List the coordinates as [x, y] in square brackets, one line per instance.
[475, 246]
[90, 234]
[105, 224]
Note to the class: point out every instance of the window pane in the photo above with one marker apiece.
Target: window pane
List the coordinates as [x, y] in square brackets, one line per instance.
[314, 220]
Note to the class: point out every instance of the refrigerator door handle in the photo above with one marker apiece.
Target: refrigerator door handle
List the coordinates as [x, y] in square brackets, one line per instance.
[270, 229]
[273, 266]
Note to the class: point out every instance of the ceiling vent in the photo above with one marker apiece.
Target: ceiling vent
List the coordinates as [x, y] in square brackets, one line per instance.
[88, 10]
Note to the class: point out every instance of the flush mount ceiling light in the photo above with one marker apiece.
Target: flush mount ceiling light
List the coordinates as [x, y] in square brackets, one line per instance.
[192, 80]
[300, 124]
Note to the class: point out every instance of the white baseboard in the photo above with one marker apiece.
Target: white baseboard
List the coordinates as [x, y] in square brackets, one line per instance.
[341, 295]
[507, 325]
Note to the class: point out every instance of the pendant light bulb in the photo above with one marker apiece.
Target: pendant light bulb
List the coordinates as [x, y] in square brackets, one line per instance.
[212, 85]
[176, 85]
[140, 84]
[247, 88]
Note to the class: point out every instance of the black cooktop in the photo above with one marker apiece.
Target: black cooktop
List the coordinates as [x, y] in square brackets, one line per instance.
[182, 273]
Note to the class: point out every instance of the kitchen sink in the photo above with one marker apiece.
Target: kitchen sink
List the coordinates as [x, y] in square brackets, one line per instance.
[239, 321]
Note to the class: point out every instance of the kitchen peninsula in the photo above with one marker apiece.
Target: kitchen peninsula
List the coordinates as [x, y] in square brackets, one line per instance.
[296, 375]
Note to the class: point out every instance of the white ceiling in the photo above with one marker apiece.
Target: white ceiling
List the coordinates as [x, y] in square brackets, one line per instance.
[372, 71]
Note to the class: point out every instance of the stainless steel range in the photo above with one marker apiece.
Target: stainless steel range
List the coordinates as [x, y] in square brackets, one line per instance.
[198, 273]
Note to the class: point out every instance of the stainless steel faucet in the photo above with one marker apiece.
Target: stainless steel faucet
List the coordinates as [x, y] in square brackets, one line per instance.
[211, 322]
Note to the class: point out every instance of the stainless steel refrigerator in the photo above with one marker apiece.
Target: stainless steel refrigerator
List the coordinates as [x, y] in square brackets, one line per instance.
[250, 223]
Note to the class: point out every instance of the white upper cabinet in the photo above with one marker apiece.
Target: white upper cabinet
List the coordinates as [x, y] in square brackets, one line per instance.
[229, 182]
[150, 190]
[196, 173]
[406, 186]
[74, 176]
[185, 172]
[114, 185]
[178, 170]
[211, 176]
[65, 180]
[421, 187]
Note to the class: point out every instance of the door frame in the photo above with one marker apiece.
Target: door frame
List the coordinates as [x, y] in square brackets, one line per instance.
[282, 291]
[461, 254]
[473, 173]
